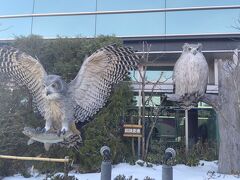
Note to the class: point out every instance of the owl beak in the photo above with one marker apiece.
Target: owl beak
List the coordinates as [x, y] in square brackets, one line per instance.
[194, 52]
[48, 92]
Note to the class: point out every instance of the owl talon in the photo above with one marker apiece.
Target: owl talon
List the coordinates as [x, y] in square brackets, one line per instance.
[38, 129]
[61, 132]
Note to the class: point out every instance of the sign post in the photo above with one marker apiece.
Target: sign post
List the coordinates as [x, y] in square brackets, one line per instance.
[132, 130]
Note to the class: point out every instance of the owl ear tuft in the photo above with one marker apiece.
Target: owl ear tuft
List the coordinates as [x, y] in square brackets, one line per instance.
[185, 46]
[199, 47]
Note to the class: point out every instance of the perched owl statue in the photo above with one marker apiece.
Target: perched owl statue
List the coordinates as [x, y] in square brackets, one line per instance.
[63, 104]
[190, 75]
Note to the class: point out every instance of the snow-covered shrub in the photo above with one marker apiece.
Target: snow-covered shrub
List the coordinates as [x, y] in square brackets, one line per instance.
[61, 177]
[123, 177]
[148, 178]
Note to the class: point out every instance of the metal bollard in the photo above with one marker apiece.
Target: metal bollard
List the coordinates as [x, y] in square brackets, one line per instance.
[167, 172]
[106, 170]
[106, 166]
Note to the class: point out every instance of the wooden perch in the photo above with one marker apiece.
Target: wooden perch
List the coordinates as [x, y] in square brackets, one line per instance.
[66, 160]
[186, 101]
[212, 100]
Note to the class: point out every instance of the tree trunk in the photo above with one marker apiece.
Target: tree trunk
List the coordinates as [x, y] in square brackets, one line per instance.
[149, 136]
[143, 119]
[228, 120]
[227, 105]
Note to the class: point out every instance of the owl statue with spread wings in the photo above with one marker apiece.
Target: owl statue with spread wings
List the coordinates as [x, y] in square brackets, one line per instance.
[63, 104]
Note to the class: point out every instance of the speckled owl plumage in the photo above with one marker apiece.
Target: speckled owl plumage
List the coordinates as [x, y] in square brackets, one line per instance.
[63, 104]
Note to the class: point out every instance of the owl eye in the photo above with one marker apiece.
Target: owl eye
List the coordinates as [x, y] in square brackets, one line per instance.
[54, 85]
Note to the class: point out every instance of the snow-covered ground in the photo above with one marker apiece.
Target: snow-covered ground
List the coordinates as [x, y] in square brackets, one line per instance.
[205, 171]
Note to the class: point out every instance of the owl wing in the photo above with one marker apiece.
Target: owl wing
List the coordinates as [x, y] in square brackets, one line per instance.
[175, 68]
[25, 70]
[93, 83]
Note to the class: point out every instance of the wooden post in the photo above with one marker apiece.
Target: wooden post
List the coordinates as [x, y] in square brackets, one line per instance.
[186, 131]
[66, 169]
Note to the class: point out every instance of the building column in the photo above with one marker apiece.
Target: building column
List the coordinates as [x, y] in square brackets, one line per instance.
[216, 71]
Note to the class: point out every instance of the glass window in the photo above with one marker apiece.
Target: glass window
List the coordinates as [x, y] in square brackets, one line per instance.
[190, 22]
[153, 76]
[10, 28]
[106, 5]
[64, 26]
[131, 24]
[192, 3]
[16, 7]
[153, 101]
[165, 76]
[182, 22]
[54, 6]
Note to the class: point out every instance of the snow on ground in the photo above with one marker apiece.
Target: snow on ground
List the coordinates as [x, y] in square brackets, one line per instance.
[205, 171]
